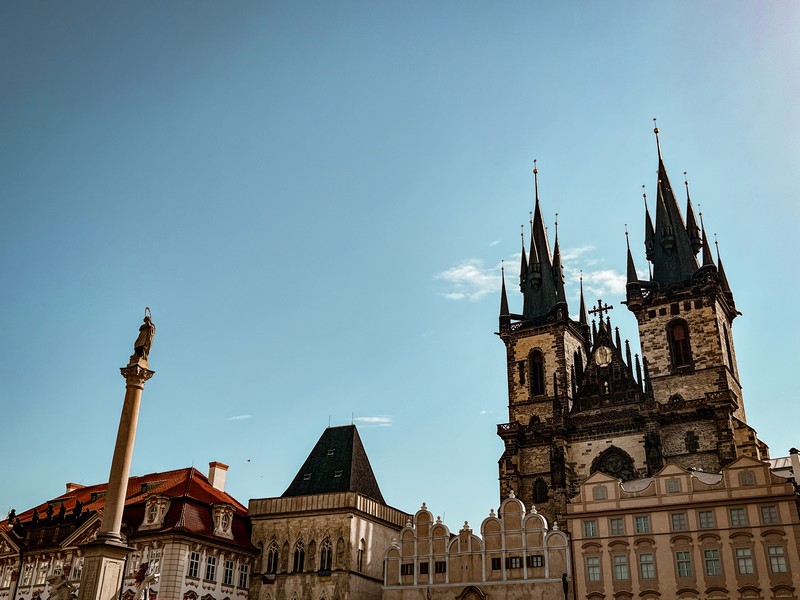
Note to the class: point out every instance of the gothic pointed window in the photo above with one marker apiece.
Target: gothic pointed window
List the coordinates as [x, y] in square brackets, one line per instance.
[537, 373]
[326, 555]
[299, 557]
[272, 558]
[679, 347]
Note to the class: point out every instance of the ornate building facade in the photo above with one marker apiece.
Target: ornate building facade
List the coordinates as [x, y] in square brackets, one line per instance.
[190, 539]
[580, 403]
[518, 555]
[687, 534]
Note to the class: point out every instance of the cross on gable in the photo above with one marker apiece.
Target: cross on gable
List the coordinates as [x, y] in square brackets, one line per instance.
[600, 309]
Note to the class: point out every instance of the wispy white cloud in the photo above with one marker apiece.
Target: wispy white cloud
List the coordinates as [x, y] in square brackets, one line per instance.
[575, 253]
[470, 280]
[494, 243]
[598, 282]
[239, 418]
[376, 421]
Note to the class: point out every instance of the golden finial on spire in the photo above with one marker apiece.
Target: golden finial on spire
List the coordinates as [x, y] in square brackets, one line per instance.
[644, 195]
[556, 224]
[536, 180]
[658, 143]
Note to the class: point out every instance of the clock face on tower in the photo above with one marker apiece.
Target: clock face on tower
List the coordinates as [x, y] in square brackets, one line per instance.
[602, 356]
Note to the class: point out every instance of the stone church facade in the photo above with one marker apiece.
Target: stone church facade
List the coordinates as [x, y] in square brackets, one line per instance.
[580, 403]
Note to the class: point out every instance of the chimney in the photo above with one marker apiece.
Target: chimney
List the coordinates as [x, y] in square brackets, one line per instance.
[217, 472]
[71, 487]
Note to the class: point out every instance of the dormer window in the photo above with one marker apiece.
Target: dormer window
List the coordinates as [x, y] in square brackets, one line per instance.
[223, 519]
[155, 511]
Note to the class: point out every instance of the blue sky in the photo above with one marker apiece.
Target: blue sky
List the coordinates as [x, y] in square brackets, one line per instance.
[315, 198]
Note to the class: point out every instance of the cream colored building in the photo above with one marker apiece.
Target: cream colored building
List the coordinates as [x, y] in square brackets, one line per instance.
[685, 534]
[324, 538]
[518, 556]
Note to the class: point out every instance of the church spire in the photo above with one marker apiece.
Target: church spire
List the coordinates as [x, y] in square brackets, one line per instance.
[584, 316]
[523, 265]
[504, 312]
[558, 270]
[691, 222]
[723, 278]
[540, 291]
[632, 277]
[708, 260]
[673, 257]
[649, 231]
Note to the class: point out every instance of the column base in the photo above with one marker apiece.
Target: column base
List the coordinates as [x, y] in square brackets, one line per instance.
[103, 569]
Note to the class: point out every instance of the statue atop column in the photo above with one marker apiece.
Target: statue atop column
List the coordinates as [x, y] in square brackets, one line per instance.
[144, 341]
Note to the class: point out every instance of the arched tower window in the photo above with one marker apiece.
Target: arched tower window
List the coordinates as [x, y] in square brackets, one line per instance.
[540, 491]
[326, 555]
[537, 373]
[299, 557]
[679, 347]
[272, 558]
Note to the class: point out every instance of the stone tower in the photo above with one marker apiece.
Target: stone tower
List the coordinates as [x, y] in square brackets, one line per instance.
[579, 402]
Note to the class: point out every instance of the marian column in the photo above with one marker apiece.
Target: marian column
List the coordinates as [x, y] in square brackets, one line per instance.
[105, 557]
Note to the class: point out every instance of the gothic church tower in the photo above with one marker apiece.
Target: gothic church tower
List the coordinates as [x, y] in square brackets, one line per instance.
[579, 402]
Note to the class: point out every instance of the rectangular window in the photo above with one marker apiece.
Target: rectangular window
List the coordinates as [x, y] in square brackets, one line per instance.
[194, 565]
[647, 567]
[684, 562]
[211, 568]
[41, 572]
[423, 568]
[590, 528]
[27, 574]
[747, 478]
[617, 525]
[673, 486]
[5, 579]
[227, 573]
[133, 563]
[621, 566]
[769, 515]
[154, 562]
[496, 564]
[77, 569]
[593, 568]
[244, 576]
[777, 560]
[706, 519]
[642, 524]
[744, 561]
[407, 569]
[678, 521]
[713, 566]
[535, 560]
[440, 566]
[738, 517]
[514, 562]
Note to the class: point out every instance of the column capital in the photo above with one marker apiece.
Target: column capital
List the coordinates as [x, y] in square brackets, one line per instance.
[136, 374]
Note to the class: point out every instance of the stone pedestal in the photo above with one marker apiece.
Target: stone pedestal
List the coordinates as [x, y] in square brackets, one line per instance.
[104, 562]
[103, 570]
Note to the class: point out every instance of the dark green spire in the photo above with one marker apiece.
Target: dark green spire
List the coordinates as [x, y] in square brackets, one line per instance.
[540, 289]
[673, 257]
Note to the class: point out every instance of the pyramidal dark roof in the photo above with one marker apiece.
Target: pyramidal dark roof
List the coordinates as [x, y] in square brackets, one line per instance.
[338, 463]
